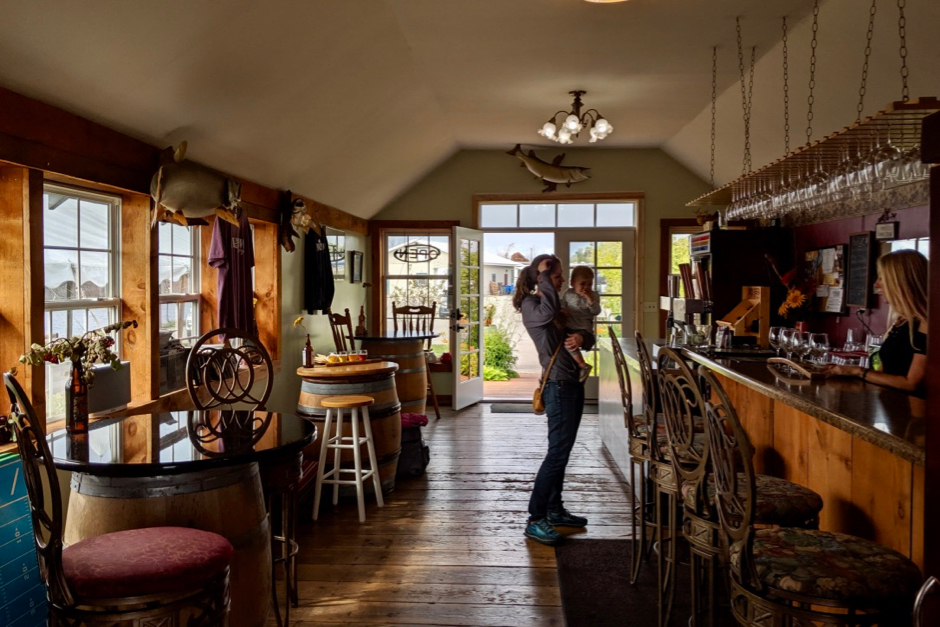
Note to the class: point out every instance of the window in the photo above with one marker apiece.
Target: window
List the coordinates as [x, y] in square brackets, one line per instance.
[417, 272]
[920, 244]
[178, 275]
[575, 214]
[82, 278]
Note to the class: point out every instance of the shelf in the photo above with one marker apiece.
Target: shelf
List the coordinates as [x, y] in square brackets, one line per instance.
[902, 118]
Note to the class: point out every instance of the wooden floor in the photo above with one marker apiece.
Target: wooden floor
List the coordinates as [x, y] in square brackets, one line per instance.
[447, 548]
[520, 387]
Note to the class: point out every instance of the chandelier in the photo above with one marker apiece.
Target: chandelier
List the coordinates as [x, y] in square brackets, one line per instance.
[572, 122]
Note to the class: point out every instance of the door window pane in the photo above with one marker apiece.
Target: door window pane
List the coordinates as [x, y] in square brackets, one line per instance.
[575, 215]
[498, 216]
[611, 308]
[581, 254]
[610, 254]
[608, 281]
[536, 216]
[615, 214]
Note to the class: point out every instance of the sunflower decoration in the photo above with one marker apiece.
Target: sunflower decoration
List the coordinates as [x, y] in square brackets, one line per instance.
[299, 322]
[796, 299]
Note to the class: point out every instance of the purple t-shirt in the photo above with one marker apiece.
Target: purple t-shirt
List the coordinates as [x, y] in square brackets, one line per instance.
[232, 253]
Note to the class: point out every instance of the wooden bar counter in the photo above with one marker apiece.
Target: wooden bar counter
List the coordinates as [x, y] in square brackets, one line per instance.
[860, 446]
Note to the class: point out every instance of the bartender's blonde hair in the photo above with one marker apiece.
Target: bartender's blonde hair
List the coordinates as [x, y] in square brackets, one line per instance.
[903, 275]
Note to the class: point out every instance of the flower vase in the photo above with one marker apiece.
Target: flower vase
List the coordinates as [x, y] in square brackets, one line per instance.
[76, 400]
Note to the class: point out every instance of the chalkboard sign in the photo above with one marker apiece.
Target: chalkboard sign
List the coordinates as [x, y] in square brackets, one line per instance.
[22, 593]
[860, 279]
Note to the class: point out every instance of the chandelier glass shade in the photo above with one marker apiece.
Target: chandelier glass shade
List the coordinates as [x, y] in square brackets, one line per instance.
[564, 126]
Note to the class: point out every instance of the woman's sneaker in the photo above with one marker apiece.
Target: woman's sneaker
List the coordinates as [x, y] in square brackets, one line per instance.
[564, 518]
[585, 372]
[542, 531]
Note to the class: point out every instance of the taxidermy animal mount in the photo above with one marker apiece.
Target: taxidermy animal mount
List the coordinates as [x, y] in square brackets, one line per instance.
[293, 213]
[552, 174]
[185, 192]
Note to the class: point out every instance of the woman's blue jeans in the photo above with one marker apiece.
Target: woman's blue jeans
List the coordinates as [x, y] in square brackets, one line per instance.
[564, 404]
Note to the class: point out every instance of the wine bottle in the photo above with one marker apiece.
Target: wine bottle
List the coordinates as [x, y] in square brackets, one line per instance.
[308, 353]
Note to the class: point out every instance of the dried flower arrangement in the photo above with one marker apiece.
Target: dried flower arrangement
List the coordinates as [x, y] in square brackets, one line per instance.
[91, 348]
[799, 291]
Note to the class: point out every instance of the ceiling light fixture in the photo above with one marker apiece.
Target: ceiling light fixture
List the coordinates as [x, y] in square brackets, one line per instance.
[572, 122]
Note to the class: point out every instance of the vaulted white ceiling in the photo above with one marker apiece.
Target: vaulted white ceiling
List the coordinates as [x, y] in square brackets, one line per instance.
[352, 101]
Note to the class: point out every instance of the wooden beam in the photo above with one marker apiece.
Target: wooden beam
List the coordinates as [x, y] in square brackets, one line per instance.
[139, 300]
[22, 271]
[336, 218]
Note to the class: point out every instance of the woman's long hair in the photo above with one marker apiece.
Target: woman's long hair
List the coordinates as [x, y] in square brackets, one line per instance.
[527, 281]
[903, 275]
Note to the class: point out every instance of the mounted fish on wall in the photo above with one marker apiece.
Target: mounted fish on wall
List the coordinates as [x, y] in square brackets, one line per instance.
[185, 192]
[552, 174]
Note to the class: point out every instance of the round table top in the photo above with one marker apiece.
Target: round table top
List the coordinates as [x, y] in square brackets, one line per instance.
[179, 442]
[347, 370]
[392, 336]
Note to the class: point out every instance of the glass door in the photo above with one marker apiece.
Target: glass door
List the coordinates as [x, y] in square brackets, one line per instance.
[466, 316]
[611, 254]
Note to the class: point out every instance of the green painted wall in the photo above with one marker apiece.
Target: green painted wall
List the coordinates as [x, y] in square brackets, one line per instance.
[446, 193]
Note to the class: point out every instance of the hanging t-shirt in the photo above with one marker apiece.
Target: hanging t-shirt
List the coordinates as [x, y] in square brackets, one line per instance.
[318, 272]
[232, 253]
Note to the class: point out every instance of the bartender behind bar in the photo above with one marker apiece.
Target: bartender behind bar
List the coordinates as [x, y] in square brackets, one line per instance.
[901, 362]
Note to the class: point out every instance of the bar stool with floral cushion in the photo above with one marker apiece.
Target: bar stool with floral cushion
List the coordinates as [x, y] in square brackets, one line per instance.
[150, 576]
[793, 576]
[778, 502]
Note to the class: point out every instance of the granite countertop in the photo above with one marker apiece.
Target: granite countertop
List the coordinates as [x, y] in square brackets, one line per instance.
[888, 418]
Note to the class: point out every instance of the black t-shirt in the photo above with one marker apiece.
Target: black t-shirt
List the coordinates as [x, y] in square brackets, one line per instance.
[897, 352]
[318, 272]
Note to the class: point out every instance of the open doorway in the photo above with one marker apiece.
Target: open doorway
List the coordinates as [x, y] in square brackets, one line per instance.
[600, 235]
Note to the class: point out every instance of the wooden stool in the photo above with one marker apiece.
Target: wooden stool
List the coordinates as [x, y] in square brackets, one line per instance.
[336, 405]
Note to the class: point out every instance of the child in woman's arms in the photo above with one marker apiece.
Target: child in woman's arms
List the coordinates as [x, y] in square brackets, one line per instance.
[583, 306]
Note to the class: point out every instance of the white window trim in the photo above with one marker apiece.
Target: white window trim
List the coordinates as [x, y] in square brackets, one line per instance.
[551, 229]
[193, 297]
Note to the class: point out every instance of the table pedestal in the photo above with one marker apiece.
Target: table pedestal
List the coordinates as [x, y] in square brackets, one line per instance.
[412, 377]
[227, 501]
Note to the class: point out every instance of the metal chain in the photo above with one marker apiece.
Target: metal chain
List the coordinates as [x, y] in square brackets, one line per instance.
[861, 89]
[750, 102]
[902, 32]
[737, 21]
[714, 97]
[786, 92]
[812, 73]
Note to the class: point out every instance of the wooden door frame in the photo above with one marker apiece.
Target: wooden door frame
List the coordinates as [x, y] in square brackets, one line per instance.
[377, 230]
[665, 245]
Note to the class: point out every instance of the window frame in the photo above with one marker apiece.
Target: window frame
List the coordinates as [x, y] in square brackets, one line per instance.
[194, 296]
[113, 302]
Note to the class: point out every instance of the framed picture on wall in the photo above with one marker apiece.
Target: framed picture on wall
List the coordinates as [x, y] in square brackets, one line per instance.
[355, 266]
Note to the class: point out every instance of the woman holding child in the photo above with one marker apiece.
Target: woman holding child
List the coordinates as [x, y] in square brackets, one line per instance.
[544, 317]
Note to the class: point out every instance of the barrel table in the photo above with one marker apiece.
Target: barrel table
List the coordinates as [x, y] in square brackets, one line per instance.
[406, 348]
[376, 380]
[148, 470]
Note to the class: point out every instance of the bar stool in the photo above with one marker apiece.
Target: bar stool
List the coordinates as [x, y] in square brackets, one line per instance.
[334, 407]
[793, 576]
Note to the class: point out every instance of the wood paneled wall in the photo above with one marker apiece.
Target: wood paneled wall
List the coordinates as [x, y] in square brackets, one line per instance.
[22, 276]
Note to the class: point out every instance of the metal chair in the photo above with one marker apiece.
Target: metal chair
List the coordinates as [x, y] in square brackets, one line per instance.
[792, 576]
[418, 319]
[665, 485]
[337, 322]
[930, 586]
[779, 502]
[223, 377]
[639, 448]
[138, 577]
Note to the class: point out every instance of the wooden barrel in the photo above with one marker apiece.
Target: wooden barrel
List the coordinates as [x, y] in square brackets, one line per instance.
[227, 501]
[376, 380]
[412, 377]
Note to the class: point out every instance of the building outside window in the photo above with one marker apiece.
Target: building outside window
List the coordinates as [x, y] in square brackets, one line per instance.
[82, 273]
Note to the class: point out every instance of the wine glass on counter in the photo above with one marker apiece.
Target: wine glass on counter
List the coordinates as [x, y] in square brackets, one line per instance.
[775, 339]
[800, 343]
[786, 341]
[819, 347]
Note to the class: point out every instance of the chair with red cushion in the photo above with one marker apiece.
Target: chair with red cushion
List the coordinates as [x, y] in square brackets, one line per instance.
[157, 575]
